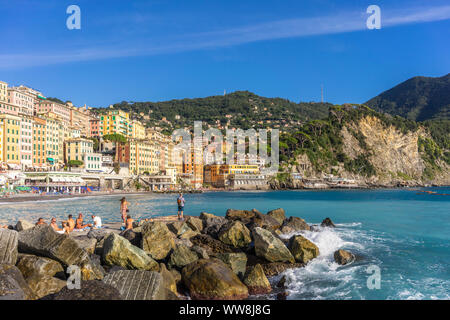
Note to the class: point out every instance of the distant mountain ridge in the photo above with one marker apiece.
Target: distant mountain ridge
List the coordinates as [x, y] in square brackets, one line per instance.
[418, 99]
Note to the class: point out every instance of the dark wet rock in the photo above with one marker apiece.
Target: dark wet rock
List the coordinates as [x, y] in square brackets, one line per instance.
[296, 223]
[212, 280]
[277, 214]
[8, 246]
[271, 268]
[157, 240]
[270, 247]
[236, 261]
[44, 241]
[302, 249]
[210, 244]
[31, 265]
[119, 251]
[212, 224]
[282, 282]
[181, 256]
[282, 295]
[13, 285]
[137, 284]
[343, 257]
[23, 225]
[327, 223]
[256, 281]
[90, 290]
[235, 234]
[134, 237]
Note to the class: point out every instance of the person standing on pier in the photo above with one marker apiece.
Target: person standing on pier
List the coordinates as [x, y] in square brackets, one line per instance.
[180, 202]
[123, 209]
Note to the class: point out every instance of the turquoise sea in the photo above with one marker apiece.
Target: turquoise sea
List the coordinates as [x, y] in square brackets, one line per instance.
[404, 233]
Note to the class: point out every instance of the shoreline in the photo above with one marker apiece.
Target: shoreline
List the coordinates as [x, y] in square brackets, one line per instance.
[30, 198]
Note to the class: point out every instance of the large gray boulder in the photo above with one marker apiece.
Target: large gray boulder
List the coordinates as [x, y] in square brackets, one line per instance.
[297, 224]
[277, 214]
[31, 265]
[302, 249]
[256, 281]
[236, 261]
[23, 225]
[119, 251]
[8, 246]
[45, 285]
[182, 256]
[137, 284]
[44, 241]
[343, 257]
[212, 280]
[270, 247]
[157, 240]
[86, 243]
[327, 223]
[12, 284]
[196, 224]
[235, 234]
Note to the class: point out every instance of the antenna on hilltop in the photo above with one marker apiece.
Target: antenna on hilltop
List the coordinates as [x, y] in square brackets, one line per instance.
[321, 92]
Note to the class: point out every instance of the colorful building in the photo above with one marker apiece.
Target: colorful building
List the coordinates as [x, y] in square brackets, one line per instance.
[115, 122]
[23, 100]
[3, 92]
[77, 148]
[26, 141]
[94, 127]
[143, 157]
[11, 138]
[39, 142]
[137, 130]
[61, 110]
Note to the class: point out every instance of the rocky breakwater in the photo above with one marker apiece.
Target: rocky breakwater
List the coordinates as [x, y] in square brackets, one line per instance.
[205, 257]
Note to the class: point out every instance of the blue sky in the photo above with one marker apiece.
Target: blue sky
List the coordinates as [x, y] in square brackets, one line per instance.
[159, 50]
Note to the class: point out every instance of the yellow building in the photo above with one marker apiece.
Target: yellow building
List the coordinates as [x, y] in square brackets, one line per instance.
[115, 122]
[217, 174]
[54, 138]
[39, 141]
[143, 157]
[77, 148]
[137, 130]
[10, 138]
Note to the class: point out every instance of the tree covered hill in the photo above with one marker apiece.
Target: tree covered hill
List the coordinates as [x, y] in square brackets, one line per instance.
[419, 99]
[240, 109]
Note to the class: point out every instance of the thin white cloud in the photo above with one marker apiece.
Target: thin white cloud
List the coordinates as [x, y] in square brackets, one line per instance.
[289, 28]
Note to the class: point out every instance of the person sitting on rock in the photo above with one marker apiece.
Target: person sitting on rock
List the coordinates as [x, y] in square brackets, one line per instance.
[70, 223]
[64, 229]
[40, 222]
[79, 223]
[97, 222]
[129, 223]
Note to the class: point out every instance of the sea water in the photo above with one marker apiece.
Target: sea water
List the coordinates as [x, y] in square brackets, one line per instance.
[403, 232]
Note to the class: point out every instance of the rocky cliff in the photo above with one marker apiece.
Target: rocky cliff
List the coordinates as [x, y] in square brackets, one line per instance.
[373, 149]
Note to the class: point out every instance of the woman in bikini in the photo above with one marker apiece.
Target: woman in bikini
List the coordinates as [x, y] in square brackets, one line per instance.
[123, 209]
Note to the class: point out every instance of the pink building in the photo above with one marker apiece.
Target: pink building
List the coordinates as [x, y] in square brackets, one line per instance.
[22, 99]
[9, 108]
[94, 125]
[61, 110]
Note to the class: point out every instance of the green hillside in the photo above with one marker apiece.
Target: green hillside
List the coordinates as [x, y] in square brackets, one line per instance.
[419, 99]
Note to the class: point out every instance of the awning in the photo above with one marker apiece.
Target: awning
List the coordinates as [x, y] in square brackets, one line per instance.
[38, 178]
